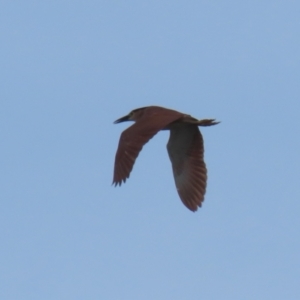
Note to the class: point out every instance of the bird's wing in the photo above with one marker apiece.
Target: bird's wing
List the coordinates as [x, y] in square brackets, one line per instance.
[135, 137]
[185, 148]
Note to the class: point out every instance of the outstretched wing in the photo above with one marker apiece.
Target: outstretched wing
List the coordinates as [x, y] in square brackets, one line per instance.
[136, 136]
[185, 148]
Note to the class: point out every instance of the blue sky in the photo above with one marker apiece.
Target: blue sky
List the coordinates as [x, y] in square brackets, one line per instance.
[68, 70]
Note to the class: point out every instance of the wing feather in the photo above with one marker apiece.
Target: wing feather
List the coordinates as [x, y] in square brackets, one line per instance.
[185, 148]
[136, 136]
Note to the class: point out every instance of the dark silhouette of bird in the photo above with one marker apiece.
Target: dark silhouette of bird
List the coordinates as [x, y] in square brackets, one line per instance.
[185, 149]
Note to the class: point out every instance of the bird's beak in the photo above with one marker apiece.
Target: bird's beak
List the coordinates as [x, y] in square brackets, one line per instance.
[123, 119]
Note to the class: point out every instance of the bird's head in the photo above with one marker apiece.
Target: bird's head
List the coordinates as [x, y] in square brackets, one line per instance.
[132, 116]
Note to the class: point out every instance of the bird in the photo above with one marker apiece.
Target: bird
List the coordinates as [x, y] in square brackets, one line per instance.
[185, 148]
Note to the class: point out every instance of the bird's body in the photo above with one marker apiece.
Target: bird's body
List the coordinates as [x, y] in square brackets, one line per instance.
[185, 149]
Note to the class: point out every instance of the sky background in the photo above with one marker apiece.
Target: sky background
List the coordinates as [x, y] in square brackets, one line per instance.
[68, 70]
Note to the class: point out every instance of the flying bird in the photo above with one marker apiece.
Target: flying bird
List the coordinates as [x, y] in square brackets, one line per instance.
[185, 149]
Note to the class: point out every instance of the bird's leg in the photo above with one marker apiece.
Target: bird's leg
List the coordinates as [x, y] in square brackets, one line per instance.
[207, 122]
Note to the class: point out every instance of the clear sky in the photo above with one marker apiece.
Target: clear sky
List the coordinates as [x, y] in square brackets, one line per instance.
[68, 70]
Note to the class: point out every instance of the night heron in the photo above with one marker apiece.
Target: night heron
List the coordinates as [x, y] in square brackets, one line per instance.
[185, 149]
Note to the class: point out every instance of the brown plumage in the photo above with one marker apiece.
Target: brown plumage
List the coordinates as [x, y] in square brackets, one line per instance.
[185, 149]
